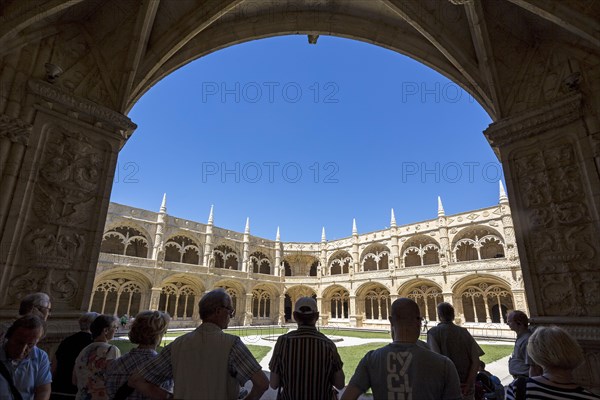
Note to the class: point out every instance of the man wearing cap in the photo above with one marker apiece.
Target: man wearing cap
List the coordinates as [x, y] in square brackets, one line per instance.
[305, 363]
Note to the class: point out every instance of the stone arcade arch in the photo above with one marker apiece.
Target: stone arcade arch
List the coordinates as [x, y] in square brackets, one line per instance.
[56, 118]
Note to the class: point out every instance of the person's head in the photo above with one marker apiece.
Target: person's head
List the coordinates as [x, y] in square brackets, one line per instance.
[148, 328]
[23, 335]
[216, 307]
[36, 303]
[86, 320]
[103, 327]
[405, 320]
[517, 321]
[554, 348]
[305, 311]
[445, 312]
[481, 366]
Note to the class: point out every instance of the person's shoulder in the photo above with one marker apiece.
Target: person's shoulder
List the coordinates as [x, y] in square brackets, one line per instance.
[39, 352]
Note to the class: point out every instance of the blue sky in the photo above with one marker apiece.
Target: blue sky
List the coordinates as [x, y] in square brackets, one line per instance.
[303, 136]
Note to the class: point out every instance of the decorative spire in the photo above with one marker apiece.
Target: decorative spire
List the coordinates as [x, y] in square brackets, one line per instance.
[211, 215]
[247, 229]
[441, 212]
[277, 235]
[323, 238]
[354, 230]
[503, 197]
[393, 219]
[163, 205]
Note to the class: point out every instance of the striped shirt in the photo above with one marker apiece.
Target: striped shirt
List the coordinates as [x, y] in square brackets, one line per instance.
[306, 361]
[539, 391]
[120, 369]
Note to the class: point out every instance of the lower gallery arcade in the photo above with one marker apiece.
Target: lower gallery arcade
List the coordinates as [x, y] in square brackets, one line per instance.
[152, 260]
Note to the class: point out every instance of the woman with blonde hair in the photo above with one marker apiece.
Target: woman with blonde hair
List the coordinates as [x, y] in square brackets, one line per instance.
[146, 331]
[558, 353]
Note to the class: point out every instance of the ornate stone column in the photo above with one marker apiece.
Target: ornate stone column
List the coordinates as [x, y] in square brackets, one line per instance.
[154, 298]
[248, 313]
[549, 158]
[281, 310]
[55, 188]
[353, 312]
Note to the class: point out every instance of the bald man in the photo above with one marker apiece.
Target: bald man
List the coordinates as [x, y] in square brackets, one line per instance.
[403, 369]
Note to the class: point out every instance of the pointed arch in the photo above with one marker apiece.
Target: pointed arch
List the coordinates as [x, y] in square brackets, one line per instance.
[259, 263]
[374, 301]
[375, 257]
[339, 263]
[420, 250]
[476, 243]
[480, 295]
[225, 257]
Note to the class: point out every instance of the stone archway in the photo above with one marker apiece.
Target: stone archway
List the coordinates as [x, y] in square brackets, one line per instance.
[70, 70]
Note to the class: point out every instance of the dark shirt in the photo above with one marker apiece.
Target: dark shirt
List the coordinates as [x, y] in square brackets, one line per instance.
[457, 344]
[66, 354]
[306, 361]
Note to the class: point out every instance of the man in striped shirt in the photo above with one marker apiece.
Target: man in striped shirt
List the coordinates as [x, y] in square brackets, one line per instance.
[305, 363]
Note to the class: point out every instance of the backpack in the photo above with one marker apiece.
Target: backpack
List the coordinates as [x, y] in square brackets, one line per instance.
[488, 386]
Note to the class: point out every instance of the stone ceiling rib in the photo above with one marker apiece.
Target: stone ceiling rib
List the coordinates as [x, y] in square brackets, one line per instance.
[560, 13]
[139, 41]
[16, 19]
[484, 51]
[181, 32]
[412, 13]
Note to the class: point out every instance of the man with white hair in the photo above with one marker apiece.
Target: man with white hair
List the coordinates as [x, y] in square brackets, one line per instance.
[205, 364]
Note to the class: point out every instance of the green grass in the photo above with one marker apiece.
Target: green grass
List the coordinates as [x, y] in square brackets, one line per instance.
[259, 352]
[123, 345]
[257, 331]
[352, 355]
[357, 333]
[495, 352]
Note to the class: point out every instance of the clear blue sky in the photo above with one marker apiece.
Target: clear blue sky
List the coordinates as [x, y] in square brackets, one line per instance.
[303, 136]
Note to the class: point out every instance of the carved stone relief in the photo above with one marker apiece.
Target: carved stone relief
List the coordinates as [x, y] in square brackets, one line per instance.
[561, 241]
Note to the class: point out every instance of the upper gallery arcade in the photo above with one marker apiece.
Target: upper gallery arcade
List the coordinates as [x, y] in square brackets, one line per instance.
[152, 260]
[71, 70]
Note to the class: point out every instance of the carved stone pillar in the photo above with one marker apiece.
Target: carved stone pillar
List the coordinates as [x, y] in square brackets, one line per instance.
[520, 301]
[58, 198]
[281, 310]
[196, 311]
[155, 298]
[353, 314]
[248, 307]
[548, 156]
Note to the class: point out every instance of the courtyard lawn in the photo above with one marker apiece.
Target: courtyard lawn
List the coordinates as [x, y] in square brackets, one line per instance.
[256, 331]
[353, 354]
[124, 346]
[356, 333]
[494, 352]
[253, 331]
[259, 352]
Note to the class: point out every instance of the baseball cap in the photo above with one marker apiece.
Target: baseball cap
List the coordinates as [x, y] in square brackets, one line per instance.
[306, 305]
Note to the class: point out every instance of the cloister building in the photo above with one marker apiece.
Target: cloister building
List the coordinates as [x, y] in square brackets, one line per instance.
[153, 260]
[71, 71]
